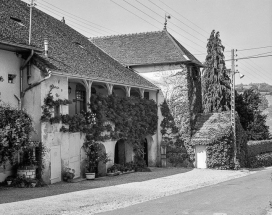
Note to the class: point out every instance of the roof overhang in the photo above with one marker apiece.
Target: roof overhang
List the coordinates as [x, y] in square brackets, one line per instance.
[15, 47]
[71, 76]
[188, 62]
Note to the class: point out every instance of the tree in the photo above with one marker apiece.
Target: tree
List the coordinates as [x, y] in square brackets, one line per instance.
[251, 117]
[215, 82]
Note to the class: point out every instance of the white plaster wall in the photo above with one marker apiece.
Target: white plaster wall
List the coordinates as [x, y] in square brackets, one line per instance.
[10, 64]
[70, 147]
[32, 100]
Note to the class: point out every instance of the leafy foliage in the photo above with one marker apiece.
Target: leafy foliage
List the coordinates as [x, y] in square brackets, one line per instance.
[94, 155]
[133, 118]
[260, 160]
[49, 104]
[175, 149]
[252, 120]
[259, 147]
[15, 133]
[215, 81]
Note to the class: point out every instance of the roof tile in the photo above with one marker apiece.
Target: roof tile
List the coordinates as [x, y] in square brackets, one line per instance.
[64, 54]
[145, 48]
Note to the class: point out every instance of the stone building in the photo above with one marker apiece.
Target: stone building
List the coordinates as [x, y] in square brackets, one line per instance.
[60, 56]
[160, 58]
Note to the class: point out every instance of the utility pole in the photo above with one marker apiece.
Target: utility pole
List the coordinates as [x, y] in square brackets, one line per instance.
[30, 20]
[233, 124]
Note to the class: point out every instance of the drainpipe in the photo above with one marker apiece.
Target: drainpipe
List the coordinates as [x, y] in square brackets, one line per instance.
[19, 101]
[158, 130]
[21, 76]
[37, 83]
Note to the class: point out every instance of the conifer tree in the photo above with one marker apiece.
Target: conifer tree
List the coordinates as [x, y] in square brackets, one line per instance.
[215, 80]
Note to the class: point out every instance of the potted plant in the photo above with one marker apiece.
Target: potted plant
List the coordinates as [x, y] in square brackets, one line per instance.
[94, 156]
[68, 174]
[9, 180]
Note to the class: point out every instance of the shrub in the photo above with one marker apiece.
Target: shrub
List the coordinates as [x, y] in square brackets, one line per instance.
[260, 160]
[15, 133]
[259, 147]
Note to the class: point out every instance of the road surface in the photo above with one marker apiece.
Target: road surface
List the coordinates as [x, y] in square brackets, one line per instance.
[248, 195]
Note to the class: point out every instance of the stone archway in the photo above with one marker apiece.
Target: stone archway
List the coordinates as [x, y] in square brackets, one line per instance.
[123, 152]
[149, 151]
[119, 152]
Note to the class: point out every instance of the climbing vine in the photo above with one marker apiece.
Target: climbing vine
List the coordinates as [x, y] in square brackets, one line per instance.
[15, 133]
[171, 139]
[109, 117]
[50, 104]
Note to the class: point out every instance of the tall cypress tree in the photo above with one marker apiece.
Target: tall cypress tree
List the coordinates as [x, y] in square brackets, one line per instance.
[215, 81]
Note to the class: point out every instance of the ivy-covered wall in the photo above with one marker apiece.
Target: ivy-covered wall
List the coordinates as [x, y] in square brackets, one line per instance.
[183, 98]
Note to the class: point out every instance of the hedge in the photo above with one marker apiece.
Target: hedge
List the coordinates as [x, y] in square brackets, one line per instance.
[260, 160]
[259, 147]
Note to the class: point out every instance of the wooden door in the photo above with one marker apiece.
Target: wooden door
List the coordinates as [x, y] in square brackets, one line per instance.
[55, 164]
[201, 157]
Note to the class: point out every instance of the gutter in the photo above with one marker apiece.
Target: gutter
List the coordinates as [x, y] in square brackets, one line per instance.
[21, 77]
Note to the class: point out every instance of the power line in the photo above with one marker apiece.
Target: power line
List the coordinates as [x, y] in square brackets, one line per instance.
[183, 17]
[73, 22]
[177, 19]
[90, 23]
[133, 13]
[160, 23]
[172, 23]
[249, 57]
[254, 48]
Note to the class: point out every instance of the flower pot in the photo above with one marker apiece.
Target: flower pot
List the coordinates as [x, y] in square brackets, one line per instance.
[9, 183]
[90, 175]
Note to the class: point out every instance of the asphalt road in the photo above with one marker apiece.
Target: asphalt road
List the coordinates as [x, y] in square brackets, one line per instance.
[248, 195]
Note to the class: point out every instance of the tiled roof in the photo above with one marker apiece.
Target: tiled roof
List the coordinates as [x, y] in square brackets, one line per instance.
[210, 127]
[65, 55]
[145, 48]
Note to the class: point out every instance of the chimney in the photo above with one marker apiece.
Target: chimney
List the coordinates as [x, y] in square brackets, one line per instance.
[63, 20]
[46, 47]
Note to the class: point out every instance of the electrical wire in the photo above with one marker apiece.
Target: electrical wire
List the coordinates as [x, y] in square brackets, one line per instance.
[110, 30]
[183, 17]
[177, 19]
[253, 48]
[249, 57]
[91, 30]
[134, 14]
[171, 23]
[160, 23]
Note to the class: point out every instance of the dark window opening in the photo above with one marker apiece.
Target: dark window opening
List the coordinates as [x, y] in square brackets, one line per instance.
[11, 78]
[146, 95]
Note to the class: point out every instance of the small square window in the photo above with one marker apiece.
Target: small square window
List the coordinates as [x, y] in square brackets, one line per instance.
[11, 78]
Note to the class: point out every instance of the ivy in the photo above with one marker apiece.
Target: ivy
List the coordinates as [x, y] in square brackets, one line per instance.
[171, 139]
[15, 133]
[133, 118]
[49, 104]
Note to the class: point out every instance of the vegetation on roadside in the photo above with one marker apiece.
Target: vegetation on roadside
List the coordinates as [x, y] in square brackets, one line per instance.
[251, 116]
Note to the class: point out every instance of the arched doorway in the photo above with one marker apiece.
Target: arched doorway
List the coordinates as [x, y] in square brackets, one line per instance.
[119, 152]
[145, 145]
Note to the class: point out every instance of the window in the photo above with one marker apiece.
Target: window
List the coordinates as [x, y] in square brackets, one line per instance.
[146, 95]
[11, 78]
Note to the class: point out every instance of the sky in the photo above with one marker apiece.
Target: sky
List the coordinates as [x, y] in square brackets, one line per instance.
[243, 25]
